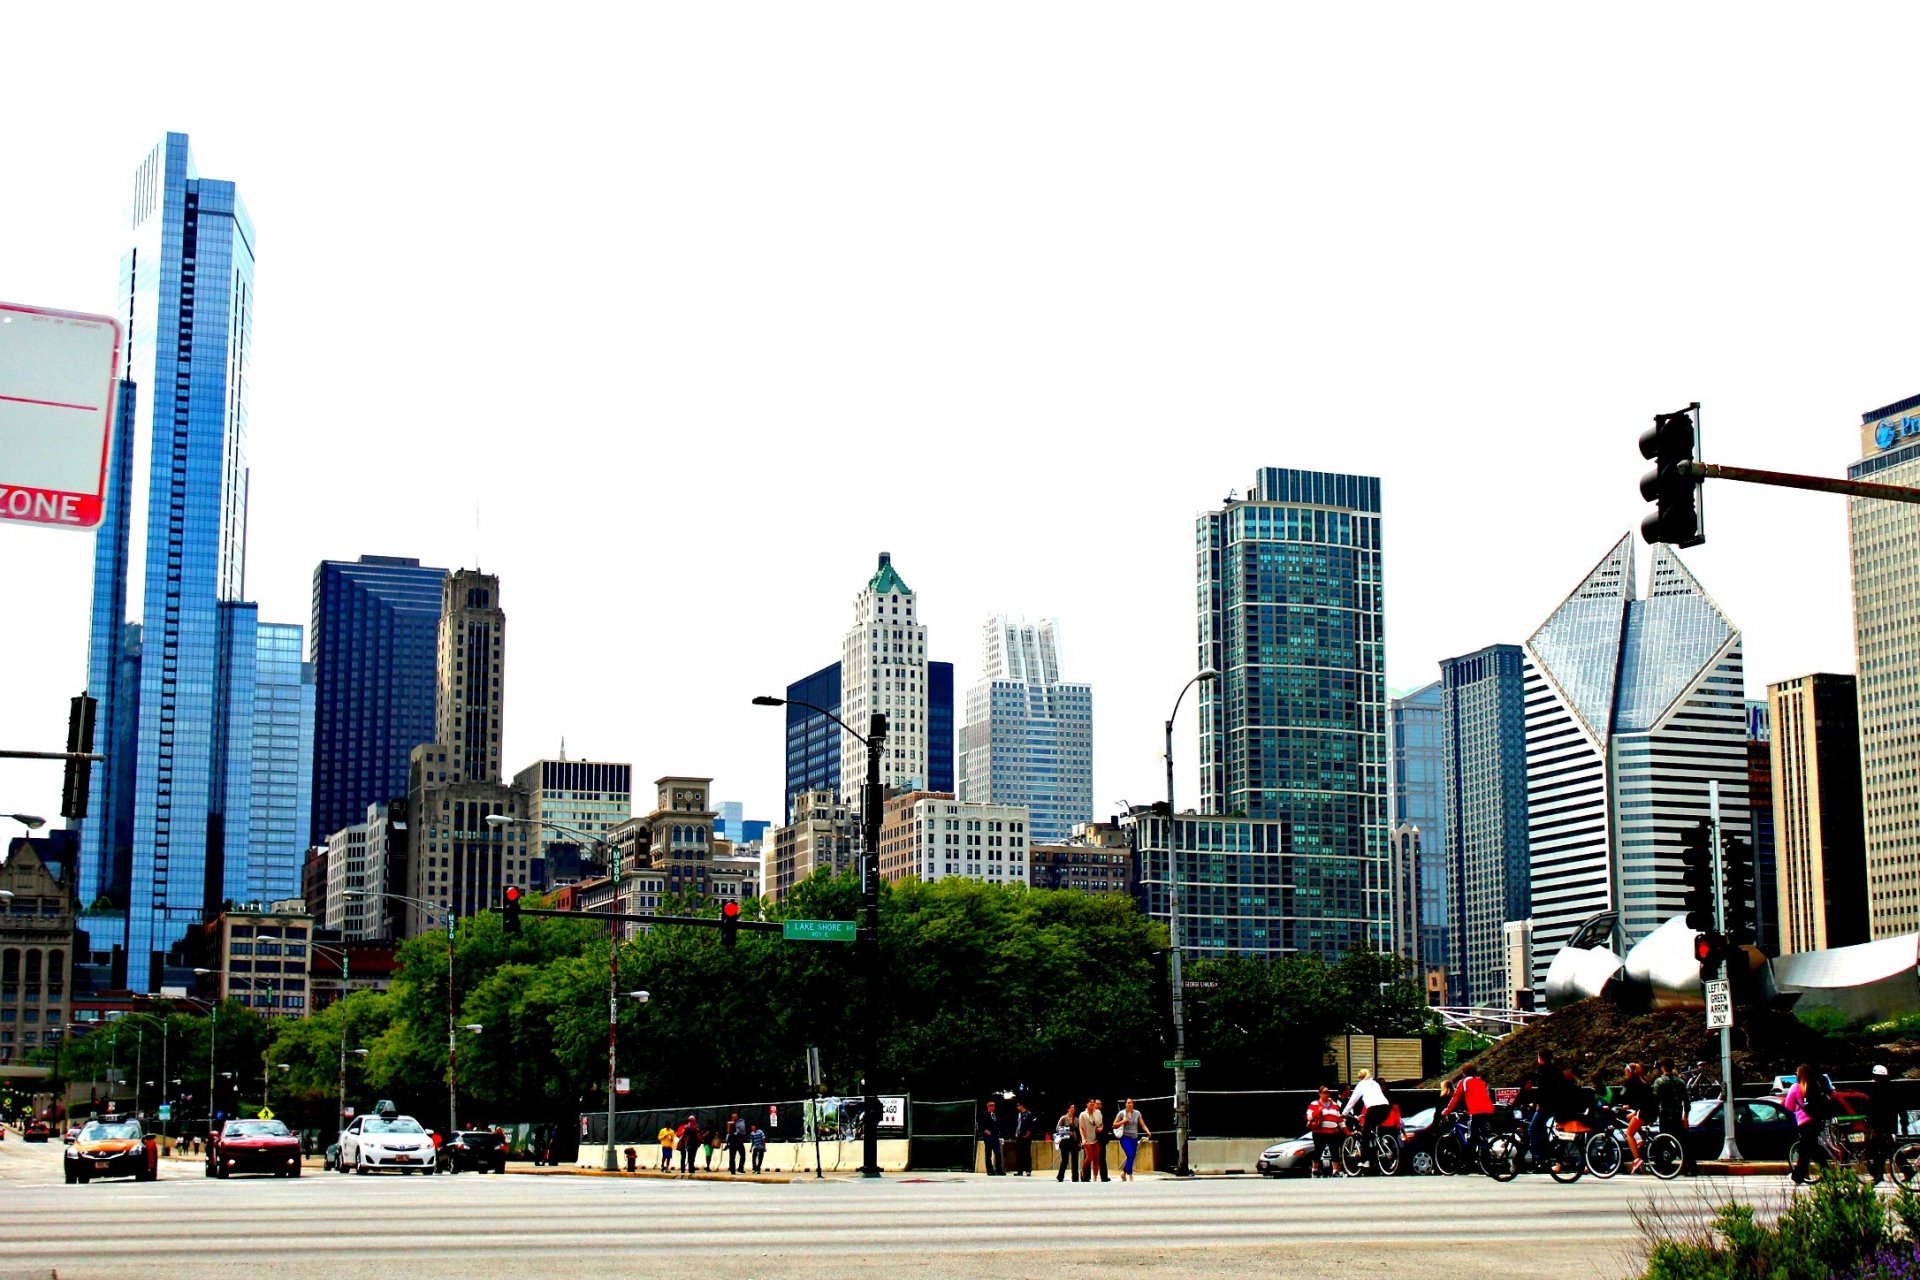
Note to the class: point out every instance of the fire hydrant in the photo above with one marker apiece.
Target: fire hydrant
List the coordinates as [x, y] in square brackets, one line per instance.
[632, 1156]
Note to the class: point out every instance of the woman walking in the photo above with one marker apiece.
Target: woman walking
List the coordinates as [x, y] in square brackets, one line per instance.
[1131, 1126]
[1066, 1142]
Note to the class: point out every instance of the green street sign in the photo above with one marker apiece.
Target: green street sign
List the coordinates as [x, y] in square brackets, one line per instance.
[1172, 1064]
[817, 930]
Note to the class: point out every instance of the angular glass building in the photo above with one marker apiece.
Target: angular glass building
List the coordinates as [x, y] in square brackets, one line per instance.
[1484, 785]
[1029, 735]
[375, 636]
[1414, 729]
[813, 741]
[1633, 708]
[1295, 727]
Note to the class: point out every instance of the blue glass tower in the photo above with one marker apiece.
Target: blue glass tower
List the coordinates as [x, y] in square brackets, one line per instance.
[1484, 784]
[813, 741]
[1418, 799]
[1295, 726]
[940, 738]
[282, 798]
[375, 634]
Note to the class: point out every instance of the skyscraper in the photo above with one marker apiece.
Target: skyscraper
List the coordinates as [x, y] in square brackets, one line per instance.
[1295, 727]
[1886, 630]
[376, 624]
[1483, 739]
[1766, 878]
[1028, 740]
[1414, 729]
[883, 668]
[813, 741]
[1633, 708]
[1819, 830]
[172, 647]
[282, 793]
[472, 653]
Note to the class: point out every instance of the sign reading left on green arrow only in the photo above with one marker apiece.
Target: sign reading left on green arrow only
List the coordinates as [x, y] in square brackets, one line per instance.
[818, 930]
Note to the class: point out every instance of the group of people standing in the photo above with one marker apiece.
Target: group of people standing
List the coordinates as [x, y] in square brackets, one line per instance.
[693, 1143]
[1080, 1139]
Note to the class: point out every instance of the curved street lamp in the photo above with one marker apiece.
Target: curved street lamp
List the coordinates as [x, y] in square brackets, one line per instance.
[1181, 1167]
[427, 909]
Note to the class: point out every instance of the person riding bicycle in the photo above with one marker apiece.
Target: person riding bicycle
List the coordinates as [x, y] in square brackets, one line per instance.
[1369, 1101]
[1810, 1103]
[1472, 1094]
[1636, 1094]
[1881, 1122]
[1324, 1124]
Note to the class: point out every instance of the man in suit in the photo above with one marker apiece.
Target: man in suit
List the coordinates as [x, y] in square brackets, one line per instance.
[1021, 1152]
[990, 1140]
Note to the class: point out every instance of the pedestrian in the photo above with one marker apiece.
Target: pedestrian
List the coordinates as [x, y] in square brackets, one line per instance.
[758, 1140]
[1066, 1145]
[1880, 1121]
[1327, 1128]
[666, 1140]
[990, 1141]
[706, 1147]
[1090, 1119]
[687, 1140]
[1670, 1107]
[1810, 1103]
[1129, 1126]
[1021, 1148]
[736, 1145]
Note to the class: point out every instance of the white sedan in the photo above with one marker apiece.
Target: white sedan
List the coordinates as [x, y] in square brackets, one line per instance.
[386, 1142]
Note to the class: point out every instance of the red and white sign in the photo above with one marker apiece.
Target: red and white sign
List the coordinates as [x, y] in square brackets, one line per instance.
[58, 372]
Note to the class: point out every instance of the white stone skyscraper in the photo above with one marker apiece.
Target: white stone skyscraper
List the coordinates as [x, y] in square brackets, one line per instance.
[883, 667]
[1633, 707]
[1028, 738]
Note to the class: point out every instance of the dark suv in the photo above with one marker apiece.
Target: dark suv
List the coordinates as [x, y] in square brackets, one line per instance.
[481, 1150]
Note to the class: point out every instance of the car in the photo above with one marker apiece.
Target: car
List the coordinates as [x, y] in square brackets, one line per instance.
[481, 1150]
[1287, 1156]
[72, 1133]
[113, 1147]
[1418, 1133]
[330, 1159]
[38, 1131]
[388, 1141]
[254, 1146]
[1761, 1126]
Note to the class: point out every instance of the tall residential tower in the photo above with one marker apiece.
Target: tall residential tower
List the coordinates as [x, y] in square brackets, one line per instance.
[1483, 738]
[1028, 739]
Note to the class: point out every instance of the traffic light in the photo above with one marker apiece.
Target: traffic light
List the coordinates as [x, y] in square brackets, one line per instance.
[729, 923]
[1737, 884]
[79, 779]
[510, 910]
[1696, 852]
[1671, 486]
[1711, 949]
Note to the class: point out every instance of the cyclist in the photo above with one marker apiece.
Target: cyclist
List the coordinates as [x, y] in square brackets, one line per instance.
[1323, 1122]
[1810, 1103]
[1637, 1096]
[1473, 1094]
[1880, 1122]
[1548, 1084]
[1369, 1101]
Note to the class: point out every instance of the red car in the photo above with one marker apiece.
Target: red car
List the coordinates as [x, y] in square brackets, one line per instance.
[254, 1146]
[38, 1131]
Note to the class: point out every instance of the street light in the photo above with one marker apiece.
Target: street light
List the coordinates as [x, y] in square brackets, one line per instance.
[213, 1032]
[427, 909]
[612, 1162]
[875, 741]
[358, 1053]
[31, 821]
[1181, 1167]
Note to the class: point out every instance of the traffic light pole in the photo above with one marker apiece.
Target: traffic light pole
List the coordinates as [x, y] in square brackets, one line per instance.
[1729, 1149]
[1791, 480]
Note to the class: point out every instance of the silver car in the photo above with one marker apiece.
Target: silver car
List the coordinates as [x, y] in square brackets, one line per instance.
[1288, 1156]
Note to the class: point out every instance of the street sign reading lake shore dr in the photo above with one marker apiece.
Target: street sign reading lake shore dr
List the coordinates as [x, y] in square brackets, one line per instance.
[57, 382]
[818, 930]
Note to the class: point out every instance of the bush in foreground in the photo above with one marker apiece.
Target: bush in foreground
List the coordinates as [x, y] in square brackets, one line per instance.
[1840, 1227]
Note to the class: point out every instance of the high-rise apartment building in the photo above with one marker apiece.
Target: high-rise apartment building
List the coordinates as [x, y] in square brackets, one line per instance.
[813, 741]
[1766, 879]
[1295, 727]
[172, 645]
[1818, 822]
[375, 634]
[1483, 739]
[1416, 799]
[1633, 708]
[1886, 630]
[282, 796]
[1028, 739]
[930, 835]
[1243, 888]
[883, 668]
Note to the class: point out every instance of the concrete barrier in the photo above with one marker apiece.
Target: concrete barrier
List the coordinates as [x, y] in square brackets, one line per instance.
[1045, 1159]
[782, 1157]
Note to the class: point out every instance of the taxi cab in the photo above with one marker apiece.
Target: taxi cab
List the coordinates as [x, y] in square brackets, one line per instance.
[113, 1147]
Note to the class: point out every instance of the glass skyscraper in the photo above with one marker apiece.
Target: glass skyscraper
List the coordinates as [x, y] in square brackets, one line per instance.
[172, 648]
[813, 741]
[1418, 800]
[376, 628]
[1295, 727]
[1483, 734]
[1029, 735]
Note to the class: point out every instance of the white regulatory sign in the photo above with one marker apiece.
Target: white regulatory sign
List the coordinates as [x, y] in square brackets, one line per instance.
[1719, 1004]
[57, 371]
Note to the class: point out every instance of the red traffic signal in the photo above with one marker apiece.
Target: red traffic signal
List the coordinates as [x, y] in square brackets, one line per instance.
[729, 923]
[510, 910]
[1711, 950]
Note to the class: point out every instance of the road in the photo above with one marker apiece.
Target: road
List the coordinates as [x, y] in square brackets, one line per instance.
[526, 1225]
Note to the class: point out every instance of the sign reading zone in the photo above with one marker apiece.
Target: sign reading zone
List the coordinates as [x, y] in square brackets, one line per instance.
[57, 380]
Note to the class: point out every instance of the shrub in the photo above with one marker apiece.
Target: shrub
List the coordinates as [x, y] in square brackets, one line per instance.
[1839, 1227]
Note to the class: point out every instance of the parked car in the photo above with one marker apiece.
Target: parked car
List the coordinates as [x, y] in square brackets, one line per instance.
[385, 1142]
[113, 1147]
[1761, 1126]
[331, 1159]
[37, 1131]
[254, 1146]
[481, 1150]
[1417, 1136]
[1289, 1156]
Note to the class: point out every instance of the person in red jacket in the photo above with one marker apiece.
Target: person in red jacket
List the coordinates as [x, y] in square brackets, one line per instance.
[1472, 1094]
[1324, 1124]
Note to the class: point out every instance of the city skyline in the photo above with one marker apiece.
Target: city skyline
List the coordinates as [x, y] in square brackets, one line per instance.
[852, 330]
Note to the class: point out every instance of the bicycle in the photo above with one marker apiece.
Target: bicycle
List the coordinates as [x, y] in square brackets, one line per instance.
[1385, 1151]
[1701, 1083]
[1569, 1150]
[1904, 1161]
[1844, 1141]
[1497, 1154]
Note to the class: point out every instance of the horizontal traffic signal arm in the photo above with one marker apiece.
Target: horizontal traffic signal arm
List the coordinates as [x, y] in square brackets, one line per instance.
[705, 922]
[1790, 480]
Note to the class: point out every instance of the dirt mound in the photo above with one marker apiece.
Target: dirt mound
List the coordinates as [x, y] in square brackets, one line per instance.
[1595, 1036]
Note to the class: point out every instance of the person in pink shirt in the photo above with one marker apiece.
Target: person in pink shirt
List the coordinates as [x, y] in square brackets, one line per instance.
[1810, 1103]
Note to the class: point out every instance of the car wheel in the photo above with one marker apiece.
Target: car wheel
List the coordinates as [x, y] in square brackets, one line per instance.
[82, 1177]
[70, 1178]
[294, 1172]
[207, 1170]
[360, 1168]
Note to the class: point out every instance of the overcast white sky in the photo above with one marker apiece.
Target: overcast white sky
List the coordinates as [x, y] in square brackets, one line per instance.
[674, 315]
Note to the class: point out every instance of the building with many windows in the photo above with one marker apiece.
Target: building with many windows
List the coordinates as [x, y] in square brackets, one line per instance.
[1886, 631]
[1766, 877]
[930, 835]
[374, 635]
[1416, 799]
[1818, 822]
[260, 958]
[813, 741]
[1028, 739]
[883, 668]
[281, 797]
[1095, 858]
[1483, 769]
[823, 836]
[36, 942]
[1243, 888]
[1294, 730]
[580, 798]
[1634, 707]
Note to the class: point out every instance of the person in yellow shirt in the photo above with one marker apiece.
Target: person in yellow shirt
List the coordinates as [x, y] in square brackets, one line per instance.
[665, 1139]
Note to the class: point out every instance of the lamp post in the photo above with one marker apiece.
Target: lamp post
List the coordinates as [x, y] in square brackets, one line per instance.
[875, 741]
[213, 1032]
[358, 1053]
[1181, 1167]
[427, 909]
[612, 1162]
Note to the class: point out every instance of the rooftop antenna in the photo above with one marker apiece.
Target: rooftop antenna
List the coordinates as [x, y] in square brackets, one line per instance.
[563, 746]
[476, 539]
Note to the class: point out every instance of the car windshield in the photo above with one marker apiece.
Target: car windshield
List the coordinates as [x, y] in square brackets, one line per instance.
[480, 1138]
[256, 1129]
[1419, 1119]
[404, 1124]
[108, 1131]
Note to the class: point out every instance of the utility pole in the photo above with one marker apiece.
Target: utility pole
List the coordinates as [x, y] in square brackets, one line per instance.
[1730, 1149]
[870, 941]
